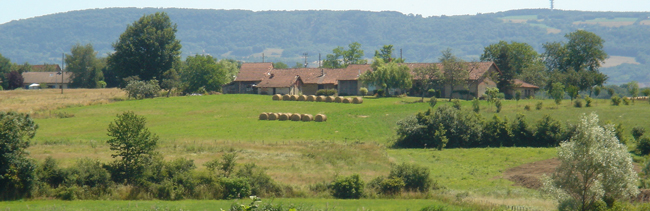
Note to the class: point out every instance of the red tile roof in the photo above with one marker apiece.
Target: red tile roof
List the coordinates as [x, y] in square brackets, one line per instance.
[45, 77]
[253, 71]
[523, 84]
[282, 78]
[477, 71]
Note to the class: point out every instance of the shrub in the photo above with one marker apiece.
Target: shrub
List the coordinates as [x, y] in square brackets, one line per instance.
[235, 188]
[50, 173]
[261, 183]
[527, 107]
[142, 89]
[539, 105]
[517, 95]
[549, 132]
[350, 187]
[476, 105]
[588, 101]
[363, 91]
[496, 133]
[577, 103]
[433, 101]
[391, 186]
[643, 147]
[326, 92]
[499, 105]
[380, 93]
[620, 133]
[626, 101]
[456, 104]
[431, 92]
[616, 100]
[637, 132]
[416, 178]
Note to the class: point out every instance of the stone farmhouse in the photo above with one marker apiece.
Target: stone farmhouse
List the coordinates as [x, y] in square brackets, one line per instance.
[262, 78]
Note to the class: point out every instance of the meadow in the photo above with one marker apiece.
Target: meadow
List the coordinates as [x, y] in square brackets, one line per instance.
[355, 139]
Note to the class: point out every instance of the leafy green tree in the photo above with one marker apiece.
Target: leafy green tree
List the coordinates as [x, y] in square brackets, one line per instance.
[171, 80]
[225, 165]
[597, 91]
[5, 68]
[512, 59]
[280, 65]
[572, 91]
[455, 71]
[350, 187]
[134, 144]
[389, 75]
[428, 77]
[594, 168]
[17, 172]
[204, 71]
[14, 80]
[142, 89]
[646, 92]
[299, 65]
[147, 49]
[557, 92]
[341, 58]
[386, 53]
[517, 95]
[633, 89]
[85, 67]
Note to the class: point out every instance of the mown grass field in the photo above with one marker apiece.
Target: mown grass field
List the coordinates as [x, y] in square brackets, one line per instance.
[355, 139]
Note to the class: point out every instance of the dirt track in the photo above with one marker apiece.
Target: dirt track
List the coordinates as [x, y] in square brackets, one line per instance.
[527, 175]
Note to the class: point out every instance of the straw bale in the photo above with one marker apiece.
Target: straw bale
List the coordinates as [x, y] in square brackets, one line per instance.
[307, 117]
[286, 97]
[295, 117]
[302, 98]
[347, 100]
[329, 99]
[311, 98]
[264, 116]
[320, 118]
[283, 117]
[294, 97]
[277, 97]
[273, 116]
[338, 99]
[357, 100]
[320, 99]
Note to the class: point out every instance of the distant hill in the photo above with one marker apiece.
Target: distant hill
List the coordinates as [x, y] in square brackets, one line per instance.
[285, 35]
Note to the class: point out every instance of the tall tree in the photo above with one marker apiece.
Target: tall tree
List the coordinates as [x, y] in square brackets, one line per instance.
[204, 71]
[341, 58]
[428, 76]
[594, 167]
[512, 59]
[386, 53]
[147, 48]
[455, 71]
[134, 144]
[85, 67]
[16, 170]
[388, 75]
[5, 67]
[14, 80]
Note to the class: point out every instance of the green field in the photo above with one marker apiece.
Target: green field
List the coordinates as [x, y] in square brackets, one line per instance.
[355, 139]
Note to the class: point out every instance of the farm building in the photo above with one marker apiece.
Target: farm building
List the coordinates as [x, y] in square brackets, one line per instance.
[526, 89]
[261, 78]
[50, 79]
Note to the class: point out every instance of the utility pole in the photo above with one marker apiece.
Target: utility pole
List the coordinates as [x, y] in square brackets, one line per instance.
[319, 65]
[62, 72]
[400, 55]
[262, 57]
[305, 55]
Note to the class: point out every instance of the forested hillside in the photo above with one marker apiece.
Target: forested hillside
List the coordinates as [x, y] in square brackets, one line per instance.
[286, 35]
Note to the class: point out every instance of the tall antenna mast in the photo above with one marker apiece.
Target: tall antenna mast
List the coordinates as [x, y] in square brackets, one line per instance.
[552, 5]
[305, 55]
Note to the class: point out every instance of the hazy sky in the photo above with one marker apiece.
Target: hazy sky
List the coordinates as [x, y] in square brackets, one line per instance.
[22, 9]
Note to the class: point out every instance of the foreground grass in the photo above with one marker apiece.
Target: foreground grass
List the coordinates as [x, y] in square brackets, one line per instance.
[307, 204]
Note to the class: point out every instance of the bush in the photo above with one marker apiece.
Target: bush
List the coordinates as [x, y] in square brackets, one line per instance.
[326, 92]
[416, 178]
[549, 132]
[235, 188]
[141, 89]
[50, 173]
[433, 101]
[616, 100]
[348, 187]
[527, 107]
[431, 92]
[626, 101]
[643, 147]
[637, 132]
[577, 103]
[363, 91]
[387, 186]
[539, 105]
[456, 104]
[476, 105]
[261, 183]
[380, 93]
[498, 104]
[588, 101]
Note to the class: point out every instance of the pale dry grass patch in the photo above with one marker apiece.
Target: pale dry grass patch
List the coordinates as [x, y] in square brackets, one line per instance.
[38, 101]
[532, 203]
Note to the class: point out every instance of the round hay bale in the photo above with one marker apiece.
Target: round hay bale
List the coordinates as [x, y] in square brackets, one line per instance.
[264, 116]
[347, 100]
[277, 97]
[294, 97]
[295, 117]
[329, 99]
[311, 98]
[357, 100]
[307, 117]
[302, 98]
[283, 117]
[320, 118]
[286, 97]
[338, 99]
[320, 99]
[273, 116]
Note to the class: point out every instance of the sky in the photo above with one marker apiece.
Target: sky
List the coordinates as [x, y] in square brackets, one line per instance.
[23, 9]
